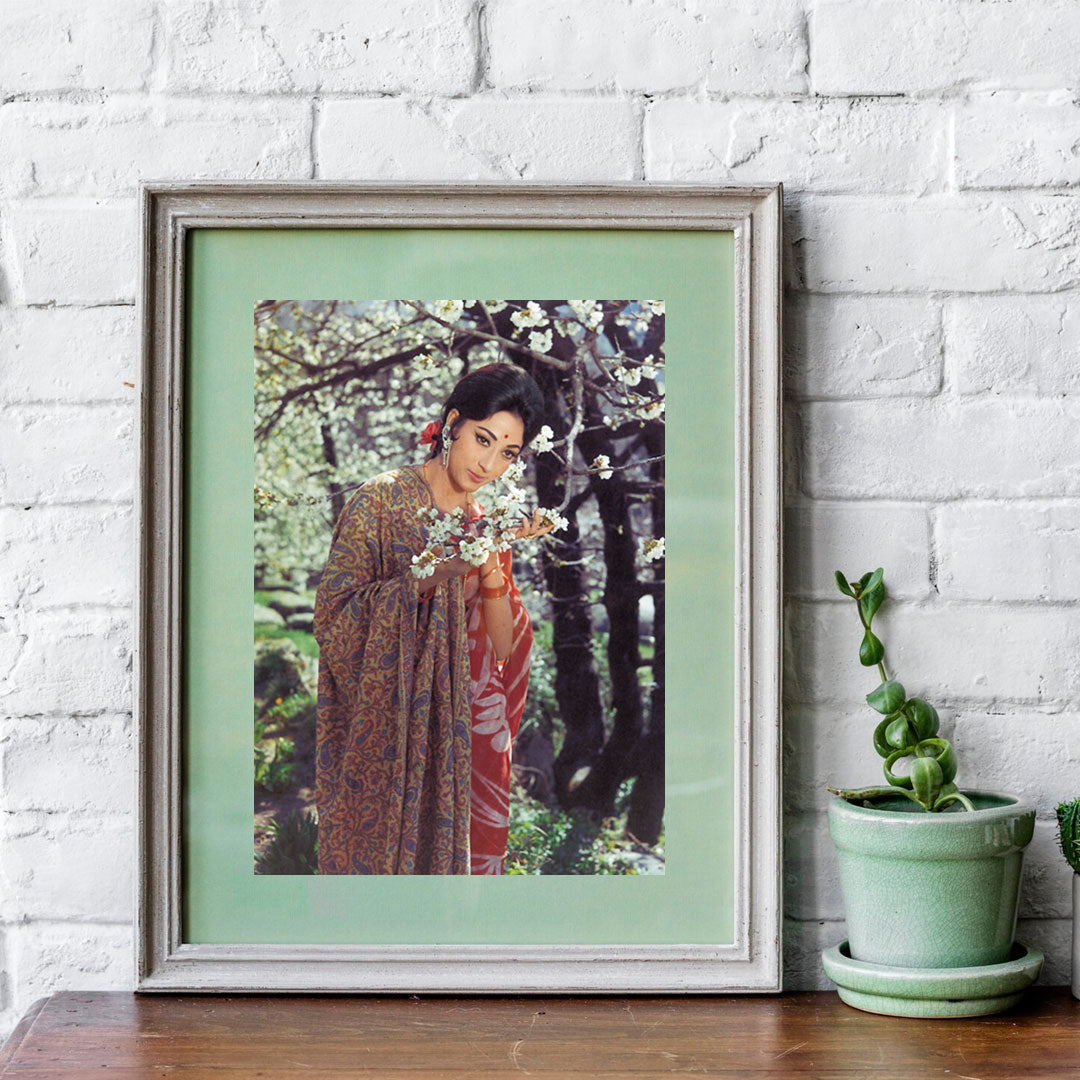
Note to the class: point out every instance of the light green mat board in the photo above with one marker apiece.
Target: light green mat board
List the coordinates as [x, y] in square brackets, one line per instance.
[231, 269]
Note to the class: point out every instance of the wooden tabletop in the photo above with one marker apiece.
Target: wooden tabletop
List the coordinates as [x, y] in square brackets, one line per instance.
[330, 1038]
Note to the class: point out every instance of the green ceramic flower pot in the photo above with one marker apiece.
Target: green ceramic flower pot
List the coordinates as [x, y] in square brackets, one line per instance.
[931, 890]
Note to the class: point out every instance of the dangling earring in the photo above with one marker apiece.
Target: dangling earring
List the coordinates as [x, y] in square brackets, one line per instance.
[446, 451]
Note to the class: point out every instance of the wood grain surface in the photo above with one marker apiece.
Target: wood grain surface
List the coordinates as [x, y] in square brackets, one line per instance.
[330, 1038]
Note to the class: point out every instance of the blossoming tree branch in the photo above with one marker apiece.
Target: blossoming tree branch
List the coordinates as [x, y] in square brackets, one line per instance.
[343, 391]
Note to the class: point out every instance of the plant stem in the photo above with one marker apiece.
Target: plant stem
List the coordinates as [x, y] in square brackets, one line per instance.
[881, 664]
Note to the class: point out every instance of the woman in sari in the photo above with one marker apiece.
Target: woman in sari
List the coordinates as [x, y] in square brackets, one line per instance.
[422, 681]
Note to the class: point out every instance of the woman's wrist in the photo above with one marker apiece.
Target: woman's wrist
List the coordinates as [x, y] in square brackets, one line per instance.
[493, 584]
[496, 593]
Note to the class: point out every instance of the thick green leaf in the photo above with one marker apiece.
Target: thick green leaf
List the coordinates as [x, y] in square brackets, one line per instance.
[871, 650]
[874, 580]
[944, 755]
[887, 698]
[842, 584]
[926, 780]
[881, 744]
[896, 779]
[870, 601]
[898, 734]
[924, 716]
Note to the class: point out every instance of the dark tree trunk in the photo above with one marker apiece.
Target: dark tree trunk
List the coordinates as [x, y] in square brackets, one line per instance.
[337, 499]
[577, 684]
[646, 817]
[615, 762]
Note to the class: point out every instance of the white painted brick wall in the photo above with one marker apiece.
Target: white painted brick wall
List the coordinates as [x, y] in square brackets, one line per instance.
[748, 47]
[87, 149]
[72, 354]
[1014, 345]
[53, 46]
[324, 46]
[64, 252]
[482, 138]
[832, 145]
[942, 47]
[1007, 142]
[847, 347]
[932, 356]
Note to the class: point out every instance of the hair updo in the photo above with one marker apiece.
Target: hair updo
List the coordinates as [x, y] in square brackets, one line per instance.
[491, 389]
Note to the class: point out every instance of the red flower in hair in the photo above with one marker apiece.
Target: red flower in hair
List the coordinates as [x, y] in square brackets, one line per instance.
[428, 436]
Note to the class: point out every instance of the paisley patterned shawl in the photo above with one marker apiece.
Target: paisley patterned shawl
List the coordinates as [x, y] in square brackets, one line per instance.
[393, 743]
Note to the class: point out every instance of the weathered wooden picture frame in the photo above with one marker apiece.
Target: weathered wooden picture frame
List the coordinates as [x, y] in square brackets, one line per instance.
[712, 923]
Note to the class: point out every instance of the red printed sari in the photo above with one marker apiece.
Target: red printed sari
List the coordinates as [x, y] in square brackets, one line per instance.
[497, 698]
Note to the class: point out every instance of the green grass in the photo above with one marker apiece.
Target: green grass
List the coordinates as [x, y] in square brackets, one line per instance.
[304, 641]
[545, 840]
[264, 596]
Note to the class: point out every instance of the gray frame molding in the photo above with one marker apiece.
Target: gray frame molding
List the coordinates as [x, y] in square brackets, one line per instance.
[752, 962]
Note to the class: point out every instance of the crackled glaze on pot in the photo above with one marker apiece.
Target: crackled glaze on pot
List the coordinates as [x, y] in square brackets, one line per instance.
[931, 890]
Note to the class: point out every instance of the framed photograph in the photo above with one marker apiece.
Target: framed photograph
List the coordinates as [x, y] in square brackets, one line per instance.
[502, 594]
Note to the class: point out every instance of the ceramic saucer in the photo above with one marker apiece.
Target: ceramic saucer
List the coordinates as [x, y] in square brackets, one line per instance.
[963, 991]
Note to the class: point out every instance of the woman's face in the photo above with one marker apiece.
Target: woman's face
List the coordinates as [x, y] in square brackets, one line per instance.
[483, 450]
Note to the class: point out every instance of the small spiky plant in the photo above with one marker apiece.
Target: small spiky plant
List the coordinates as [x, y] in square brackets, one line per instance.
[1068, 815]
[294, 847]
[909, 726]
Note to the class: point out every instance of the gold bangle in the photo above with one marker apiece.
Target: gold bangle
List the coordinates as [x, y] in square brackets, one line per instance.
[494, 594]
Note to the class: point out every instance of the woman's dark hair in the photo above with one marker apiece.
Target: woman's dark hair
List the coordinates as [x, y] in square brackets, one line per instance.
[491, 389]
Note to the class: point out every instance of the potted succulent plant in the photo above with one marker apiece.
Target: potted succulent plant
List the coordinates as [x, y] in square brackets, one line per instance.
[1069, 831]
[930, 874]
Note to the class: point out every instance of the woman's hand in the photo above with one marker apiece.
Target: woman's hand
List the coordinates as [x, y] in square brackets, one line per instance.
[537, 526]
[449, 568]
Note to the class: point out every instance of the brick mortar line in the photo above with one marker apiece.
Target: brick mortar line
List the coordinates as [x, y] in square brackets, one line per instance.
[111, 715]
[15, 924]
[935, 602]
[78, 607]
[790, 291]
[933, 294]
[808, 501]
[691, 92]
[52, 305]
[1049, 707]
[927, 499]
[47, 403]
[92, 404]
[942, 394]
[88, 504]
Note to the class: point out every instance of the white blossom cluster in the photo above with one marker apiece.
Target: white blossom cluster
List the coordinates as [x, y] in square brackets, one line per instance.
[530, 315]
[475, 541]
[602, 464]
[589, 312]
[652, 549]
[451, 310]
[544, 441]
[638, 317]
[553, 518]
[426, 365]
[540, 341]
